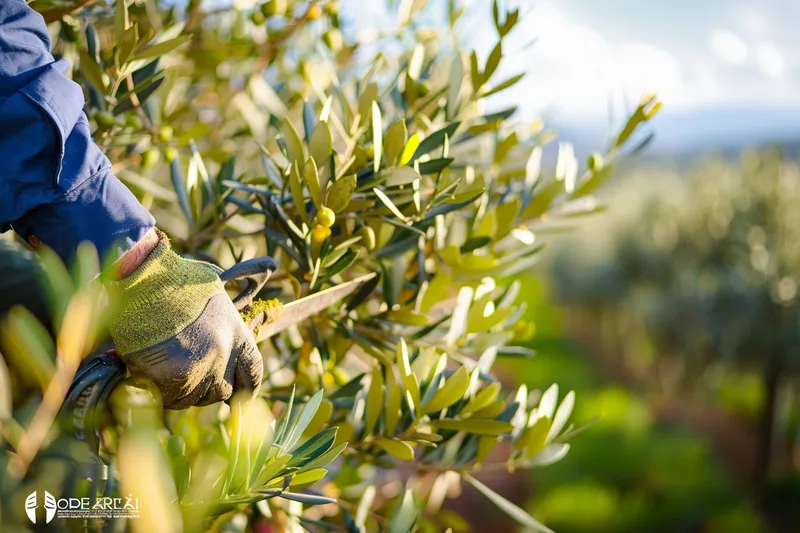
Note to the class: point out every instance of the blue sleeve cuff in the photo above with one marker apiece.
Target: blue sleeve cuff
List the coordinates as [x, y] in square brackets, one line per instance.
[102, 211]
[56, 186]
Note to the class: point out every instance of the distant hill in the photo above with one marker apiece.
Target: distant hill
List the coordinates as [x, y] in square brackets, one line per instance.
[687, 134]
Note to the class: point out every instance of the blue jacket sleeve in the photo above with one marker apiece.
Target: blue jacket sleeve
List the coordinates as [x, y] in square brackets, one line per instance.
[56, 186]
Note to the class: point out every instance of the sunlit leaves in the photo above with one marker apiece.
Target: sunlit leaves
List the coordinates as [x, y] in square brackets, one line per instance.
[313, 448]
[374, 400]
[309, 499]
[180, 189]
[366, 100]
[321, 143]
[543, 198]
[502, 86]
[533, 440]
[340, 193]
[567, 166]
[388, 203]
[94, 74]
[5, 391]
[493, 61]
[311, 175]
[548, 402]
[435, 291]
[562, 415]
[393, 401]
[408, 379]
[454, 88]
[295, 149]
[426, 190]
[452, 391]
[398, 448]
[475, 425]
[121, 20]
[28, 345]
[507, 507]
[306, 415]
[161, 48]
[411, 147]
[149, 479]
[377, 137]
[482, 399]
[395, 141]
[434, 141]
[647, 109]
[406, 514]
[271, 468]
[326, 458]
[549, 455]
[296, 188]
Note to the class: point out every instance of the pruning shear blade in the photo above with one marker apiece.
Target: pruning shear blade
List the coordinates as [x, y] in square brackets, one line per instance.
[308, 306]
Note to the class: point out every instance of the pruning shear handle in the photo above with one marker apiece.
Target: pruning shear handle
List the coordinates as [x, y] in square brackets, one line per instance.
[256, 272]
[87, 399]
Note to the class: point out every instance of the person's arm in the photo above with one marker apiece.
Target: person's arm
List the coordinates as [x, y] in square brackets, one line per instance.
[56, 186]
[173, 323]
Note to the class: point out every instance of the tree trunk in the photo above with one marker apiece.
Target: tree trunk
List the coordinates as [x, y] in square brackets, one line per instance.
[766, 426]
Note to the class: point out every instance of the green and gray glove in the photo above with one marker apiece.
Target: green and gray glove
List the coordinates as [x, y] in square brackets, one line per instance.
[176, 326]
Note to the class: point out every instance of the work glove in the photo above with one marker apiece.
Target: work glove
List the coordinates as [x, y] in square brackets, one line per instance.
[175, 325]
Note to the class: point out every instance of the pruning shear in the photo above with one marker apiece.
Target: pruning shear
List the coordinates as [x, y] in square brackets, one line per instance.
[87, 398]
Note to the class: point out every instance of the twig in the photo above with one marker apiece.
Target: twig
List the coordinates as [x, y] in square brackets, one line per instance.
[353, 508]
[53, 15]
[30, 442]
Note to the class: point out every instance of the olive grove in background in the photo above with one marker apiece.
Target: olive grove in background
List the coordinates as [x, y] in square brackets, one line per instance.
[694, 290]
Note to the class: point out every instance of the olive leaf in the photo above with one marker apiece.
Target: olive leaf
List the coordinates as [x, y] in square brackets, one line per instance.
[340, 193]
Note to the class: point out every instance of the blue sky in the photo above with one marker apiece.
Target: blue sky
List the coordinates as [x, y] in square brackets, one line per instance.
[697, 55]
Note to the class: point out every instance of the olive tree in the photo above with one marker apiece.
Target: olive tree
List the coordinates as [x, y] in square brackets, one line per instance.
[259, 129]
[710, 265]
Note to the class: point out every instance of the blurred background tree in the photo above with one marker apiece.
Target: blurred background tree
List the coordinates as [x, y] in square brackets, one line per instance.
[691, 296]
[259, 129]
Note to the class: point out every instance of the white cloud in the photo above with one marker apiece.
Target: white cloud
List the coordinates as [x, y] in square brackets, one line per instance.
[753, 19]
[728, 47]
[735, 53]
[770, 59]
[578, 71]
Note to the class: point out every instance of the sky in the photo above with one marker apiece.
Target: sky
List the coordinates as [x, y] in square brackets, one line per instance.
[693, 54]
[590, 55]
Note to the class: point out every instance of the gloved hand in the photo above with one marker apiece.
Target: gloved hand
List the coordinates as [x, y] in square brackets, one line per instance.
[176, 326]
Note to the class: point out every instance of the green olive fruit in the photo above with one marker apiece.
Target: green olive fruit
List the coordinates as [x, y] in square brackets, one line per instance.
[257, 18]
[314, 12]
[165, 133]
[133, 121]
[70, 29]
[273, 8]
[595, 162]
[326, 217]
[104, 119]
[150, 158]
[176, 446]
[333, 39]
[332, 8]
[367, 237]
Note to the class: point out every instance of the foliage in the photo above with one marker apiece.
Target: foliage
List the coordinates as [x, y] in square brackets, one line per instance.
[710, 263]
[245, 136]
[705, 273]
[633, 470]
[644, 463]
